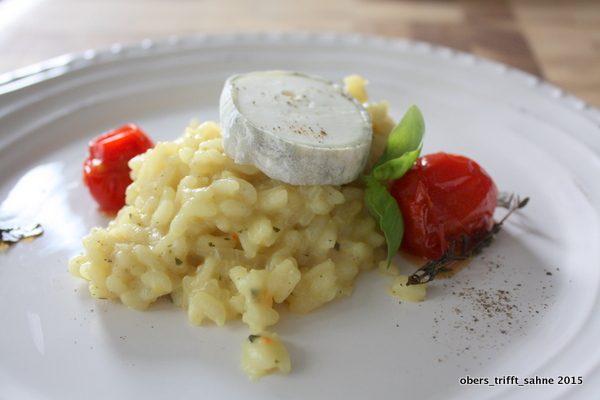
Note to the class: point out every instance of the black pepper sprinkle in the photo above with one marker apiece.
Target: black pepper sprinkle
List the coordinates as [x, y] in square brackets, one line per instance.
[489, 316]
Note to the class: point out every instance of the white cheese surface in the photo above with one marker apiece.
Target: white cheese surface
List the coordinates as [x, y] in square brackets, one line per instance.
[299, 109]
[296, 128]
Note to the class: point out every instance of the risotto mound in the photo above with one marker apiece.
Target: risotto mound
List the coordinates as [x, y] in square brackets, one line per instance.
[225, 241]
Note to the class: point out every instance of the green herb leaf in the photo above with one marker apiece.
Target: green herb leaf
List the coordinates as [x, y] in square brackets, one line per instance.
[402, 148]
[401, 151]
[384, 208]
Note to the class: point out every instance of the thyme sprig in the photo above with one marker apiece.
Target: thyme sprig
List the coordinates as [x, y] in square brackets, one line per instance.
[15, 234]
[469, 247]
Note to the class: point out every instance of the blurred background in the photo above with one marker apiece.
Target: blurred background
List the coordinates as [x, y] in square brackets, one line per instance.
[558, 40]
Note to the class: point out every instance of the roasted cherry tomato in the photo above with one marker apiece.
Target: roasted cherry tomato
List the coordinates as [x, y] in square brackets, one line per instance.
[105, 171]
[443, 198]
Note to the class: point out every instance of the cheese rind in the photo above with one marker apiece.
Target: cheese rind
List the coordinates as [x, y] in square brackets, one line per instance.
[296, 128]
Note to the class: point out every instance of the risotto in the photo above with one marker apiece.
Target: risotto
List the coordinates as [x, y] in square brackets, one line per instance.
[225, 241]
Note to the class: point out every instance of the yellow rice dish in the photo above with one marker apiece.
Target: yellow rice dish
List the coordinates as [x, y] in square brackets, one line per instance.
[225, 241]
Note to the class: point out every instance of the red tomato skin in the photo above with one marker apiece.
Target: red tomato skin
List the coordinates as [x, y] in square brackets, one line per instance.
[443, 197]
[106, 170]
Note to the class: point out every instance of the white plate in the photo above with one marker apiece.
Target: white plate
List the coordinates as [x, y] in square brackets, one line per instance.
[526, 308]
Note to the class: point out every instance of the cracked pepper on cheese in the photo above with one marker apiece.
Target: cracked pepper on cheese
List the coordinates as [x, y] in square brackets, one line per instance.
[296, 128]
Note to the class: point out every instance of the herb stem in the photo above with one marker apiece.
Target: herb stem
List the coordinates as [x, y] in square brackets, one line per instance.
[469, 247]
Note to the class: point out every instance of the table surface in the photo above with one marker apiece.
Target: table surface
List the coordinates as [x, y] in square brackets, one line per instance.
[558, 40]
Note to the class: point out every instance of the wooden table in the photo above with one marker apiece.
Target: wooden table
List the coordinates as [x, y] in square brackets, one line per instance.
[558, 40]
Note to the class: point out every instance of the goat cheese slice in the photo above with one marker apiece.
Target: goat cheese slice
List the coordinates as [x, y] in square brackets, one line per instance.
[296, 128]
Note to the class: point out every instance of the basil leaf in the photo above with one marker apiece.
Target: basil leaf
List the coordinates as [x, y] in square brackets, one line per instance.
[384, 209]
[401, 151]
[397, 167]
[403, 146]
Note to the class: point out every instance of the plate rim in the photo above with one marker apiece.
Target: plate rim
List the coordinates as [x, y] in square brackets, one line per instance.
[40, 71]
